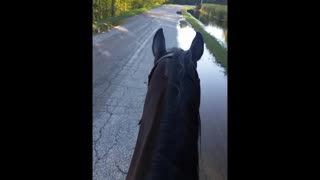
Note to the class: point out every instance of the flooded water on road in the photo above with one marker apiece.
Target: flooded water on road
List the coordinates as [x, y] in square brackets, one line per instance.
[213, 22]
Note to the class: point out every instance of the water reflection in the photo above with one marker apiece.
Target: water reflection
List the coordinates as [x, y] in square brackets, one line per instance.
[185, 37]
[183, 23]
[214, 23]
[217, 32]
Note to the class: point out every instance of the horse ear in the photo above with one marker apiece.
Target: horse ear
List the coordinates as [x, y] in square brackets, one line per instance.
[196, 47]
[158, 44]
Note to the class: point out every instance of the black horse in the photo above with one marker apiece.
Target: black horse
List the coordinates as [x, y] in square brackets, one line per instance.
[167, 144]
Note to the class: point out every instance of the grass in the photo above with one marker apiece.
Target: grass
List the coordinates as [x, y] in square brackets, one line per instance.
[169, 4]
[215, 11]
[219, 52]
[109, 22]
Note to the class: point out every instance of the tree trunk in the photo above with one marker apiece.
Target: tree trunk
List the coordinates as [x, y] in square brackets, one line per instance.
[112, 8]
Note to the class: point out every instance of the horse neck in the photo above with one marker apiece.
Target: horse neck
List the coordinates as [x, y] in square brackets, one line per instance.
[176, 150]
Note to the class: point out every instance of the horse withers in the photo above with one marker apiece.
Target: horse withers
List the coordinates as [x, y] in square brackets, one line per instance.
[167, 144]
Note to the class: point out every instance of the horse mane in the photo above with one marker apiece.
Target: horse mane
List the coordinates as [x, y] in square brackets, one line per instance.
[178, 132]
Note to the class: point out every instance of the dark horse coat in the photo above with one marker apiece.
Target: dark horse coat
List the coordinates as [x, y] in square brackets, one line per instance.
[167, 144]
